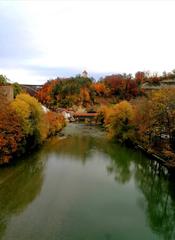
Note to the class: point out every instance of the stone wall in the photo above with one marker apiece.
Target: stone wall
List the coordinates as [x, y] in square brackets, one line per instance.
[7, 91]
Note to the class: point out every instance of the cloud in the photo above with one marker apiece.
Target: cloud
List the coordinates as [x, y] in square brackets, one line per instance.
[41, 39]
[15, 37]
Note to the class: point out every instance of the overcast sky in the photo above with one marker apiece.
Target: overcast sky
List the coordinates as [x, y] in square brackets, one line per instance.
[40, 40]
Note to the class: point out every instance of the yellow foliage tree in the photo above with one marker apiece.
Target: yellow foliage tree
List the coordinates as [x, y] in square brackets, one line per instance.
[23, 110]
[120, 122]
[32, 116]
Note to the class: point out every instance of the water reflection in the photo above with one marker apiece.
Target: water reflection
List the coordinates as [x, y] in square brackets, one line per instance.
[159, 201]
[19, 186]
[77, 147]
[151, 179]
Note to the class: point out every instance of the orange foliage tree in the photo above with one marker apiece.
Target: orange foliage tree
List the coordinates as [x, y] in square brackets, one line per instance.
[11, 134]
[55, 122]
[44, 94]
[123, 86]
[100, 89]
[24, 124]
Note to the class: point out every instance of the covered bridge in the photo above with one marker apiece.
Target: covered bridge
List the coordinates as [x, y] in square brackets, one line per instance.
[86, 117]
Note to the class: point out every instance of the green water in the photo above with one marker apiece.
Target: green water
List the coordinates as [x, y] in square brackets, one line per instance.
[83, 187]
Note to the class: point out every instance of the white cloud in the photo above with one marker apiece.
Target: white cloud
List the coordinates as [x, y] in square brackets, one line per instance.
[102, 36]
[22, 76]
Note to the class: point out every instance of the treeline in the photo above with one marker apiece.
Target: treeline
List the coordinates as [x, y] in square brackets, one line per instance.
[147, 121]
[83, 91]
[24, 124]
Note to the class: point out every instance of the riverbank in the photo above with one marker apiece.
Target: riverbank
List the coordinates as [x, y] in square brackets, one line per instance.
[24, 125]
[147, 123]
[154, 156]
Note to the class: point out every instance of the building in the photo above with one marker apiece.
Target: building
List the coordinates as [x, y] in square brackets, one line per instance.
[7, 92]
[169, 83]
[84, 74]
[67, 114]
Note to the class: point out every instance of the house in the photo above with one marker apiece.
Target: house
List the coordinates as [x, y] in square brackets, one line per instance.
[168, 83]
[67, 114]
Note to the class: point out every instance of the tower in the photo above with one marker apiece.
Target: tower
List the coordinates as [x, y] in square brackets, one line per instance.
[84, 74]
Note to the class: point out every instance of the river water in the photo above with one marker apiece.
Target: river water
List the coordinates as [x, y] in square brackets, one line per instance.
[83, 187]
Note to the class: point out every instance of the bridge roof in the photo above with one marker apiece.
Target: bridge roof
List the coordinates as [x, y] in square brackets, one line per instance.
[85, 114]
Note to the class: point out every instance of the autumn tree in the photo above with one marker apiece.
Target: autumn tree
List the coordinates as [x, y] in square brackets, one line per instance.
[163, 112]
[123, 86]
[154, 121]
[55, 122]
[31, 113]
[139, 77]
[104, 113]
[44, 94]
[72, 91]
[100, 89]
[37, 125]
[121, 126]
[11, 134]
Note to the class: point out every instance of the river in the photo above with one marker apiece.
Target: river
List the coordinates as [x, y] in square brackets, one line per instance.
[83, 187]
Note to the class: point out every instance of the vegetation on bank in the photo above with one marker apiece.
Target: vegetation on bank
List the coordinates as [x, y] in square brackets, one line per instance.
[24, 125]
[147, 121]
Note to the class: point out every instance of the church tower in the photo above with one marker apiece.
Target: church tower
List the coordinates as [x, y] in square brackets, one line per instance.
[84, 74]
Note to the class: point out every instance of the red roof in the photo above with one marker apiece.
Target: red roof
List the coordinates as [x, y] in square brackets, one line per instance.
[85, 114]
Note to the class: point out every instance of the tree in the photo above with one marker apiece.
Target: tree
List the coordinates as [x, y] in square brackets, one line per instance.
[163, 111]
[155, 121]
[44, 94]
[17, 89]
[31, 113]
[121, 125]
[11, 134]
[3, 80]
[100, 89]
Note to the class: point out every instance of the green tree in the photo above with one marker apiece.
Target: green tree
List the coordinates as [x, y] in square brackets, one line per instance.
[17, 89]
[3, 80]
